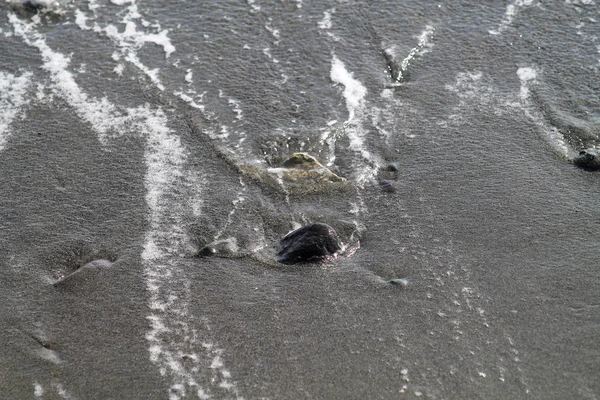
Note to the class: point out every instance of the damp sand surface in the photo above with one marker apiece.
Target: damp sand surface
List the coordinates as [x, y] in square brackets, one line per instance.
[132, 134]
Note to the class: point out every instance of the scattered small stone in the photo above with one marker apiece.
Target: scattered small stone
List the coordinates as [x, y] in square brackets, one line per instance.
[387, 186]
[399, 282]
[393, 167]
[223, 247]
[310, 243]
[588, 159]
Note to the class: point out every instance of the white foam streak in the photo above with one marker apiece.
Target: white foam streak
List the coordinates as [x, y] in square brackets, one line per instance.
[173, 193]
[509, 15]
[528, 76]
[100, 113]
[354, 94]
[130, 40]
[38, 390]
[325, 23]
[354, 90]
[62, 392]
[421, 48]
[12, 100]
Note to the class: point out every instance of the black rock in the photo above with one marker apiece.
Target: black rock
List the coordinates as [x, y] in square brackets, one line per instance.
[310, 243]
[393, 167]
[387, 186]
[588, 160]
[29, 7]
[399, 282]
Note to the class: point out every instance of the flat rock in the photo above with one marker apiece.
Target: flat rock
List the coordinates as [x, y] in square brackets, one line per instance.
[302, 167]
[299, 173]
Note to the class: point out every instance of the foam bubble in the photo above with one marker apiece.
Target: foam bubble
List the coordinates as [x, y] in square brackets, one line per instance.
[325, 23]
[269, 27]
[62, 392]
[38, 390]
[253, 5]
[526, 74]
[189, 76]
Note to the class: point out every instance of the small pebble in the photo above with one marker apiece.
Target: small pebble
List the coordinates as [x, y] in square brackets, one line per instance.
[399, 282]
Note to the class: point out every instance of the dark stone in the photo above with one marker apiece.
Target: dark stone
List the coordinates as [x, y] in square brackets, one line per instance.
[399, 282]
[32, 6]
[310, 243]
[392, 167]
[28, 7]
[207, 251]
[588, 160]
[387, 186]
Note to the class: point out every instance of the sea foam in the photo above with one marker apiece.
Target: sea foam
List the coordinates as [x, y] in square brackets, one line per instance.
[12, 100]
[172, 192]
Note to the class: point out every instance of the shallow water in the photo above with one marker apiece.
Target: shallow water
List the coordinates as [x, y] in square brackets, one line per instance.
[140, 132]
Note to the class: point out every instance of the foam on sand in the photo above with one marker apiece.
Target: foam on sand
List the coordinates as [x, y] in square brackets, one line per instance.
[509, 15]
[56, 387]
[101, 114]
[423, 46]
[172, 194]
[552, 136]
[130, 40]
[354, 93]
[12, 99]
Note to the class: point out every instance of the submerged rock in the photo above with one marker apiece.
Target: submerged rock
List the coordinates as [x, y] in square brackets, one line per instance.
[392, 167]
[304, 167]
[87, 272]
[588, 159]
[299, 173]
[32, 7]
[223, 247]
[399, 282]
[310, 243]
[387, 186]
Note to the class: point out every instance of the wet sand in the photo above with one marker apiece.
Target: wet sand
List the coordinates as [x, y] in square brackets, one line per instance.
[490, 230]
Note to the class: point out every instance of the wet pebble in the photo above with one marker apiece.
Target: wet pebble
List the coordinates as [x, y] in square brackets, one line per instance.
[588, 160]
[399, 282]
[223, 247]
[310, 243]
[392, 167]
[387, 186]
